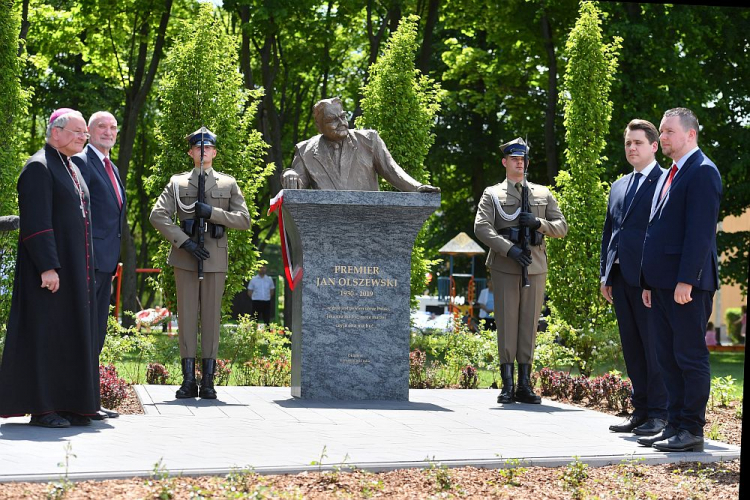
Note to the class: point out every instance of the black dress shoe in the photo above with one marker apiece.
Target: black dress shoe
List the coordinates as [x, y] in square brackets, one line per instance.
[683, 441]
[629, 424]
[100, 415]
[651, 427]
[51, 420]
[109, 413]
[76, 418]
[665, 434]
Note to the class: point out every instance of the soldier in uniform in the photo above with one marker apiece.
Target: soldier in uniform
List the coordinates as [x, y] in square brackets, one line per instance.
[224, 208]
[517, 308]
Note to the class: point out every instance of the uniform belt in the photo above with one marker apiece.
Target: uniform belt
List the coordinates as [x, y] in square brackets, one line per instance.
[508, 232]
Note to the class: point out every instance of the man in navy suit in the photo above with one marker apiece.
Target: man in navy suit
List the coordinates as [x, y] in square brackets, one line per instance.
[107, 214]
[622, 248]
[680, 274]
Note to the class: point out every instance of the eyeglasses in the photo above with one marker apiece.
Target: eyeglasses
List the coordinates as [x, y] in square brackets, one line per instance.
[76, 132]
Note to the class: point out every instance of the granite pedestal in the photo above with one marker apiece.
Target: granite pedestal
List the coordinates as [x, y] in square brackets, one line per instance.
[350, 319]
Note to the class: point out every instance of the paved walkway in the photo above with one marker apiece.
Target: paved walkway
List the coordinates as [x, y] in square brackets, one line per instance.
[268, 430]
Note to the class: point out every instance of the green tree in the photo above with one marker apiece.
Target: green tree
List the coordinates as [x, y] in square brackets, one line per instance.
[201, 86]
[13, 103]
[578, 309]
[401, 104]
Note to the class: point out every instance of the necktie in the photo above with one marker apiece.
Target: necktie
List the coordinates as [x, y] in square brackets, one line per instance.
[111, 174]
[664, 190]
[631, 192]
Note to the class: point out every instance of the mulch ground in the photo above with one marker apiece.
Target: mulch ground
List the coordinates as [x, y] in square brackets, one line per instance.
[628, 480]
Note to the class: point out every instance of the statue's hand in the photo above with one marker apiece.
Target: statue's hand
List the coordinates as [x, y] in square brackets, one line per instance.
[426, 188]
[290, 179]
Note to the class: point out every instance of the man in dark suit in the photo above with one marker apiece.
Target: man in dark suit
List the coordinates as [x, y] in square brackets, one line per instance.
[680, 274]
[107, 215]
[622, 249]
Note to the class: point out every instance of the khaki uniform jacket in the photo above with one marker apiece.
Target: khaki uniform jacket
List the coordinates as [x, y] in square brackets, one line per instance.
[488, 222]
[364, 156]
[229, 209]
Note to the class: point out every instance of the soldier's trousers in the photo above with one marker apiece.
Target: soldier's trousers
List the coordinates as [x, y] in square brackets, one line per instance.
[196, 298]
[517, 311]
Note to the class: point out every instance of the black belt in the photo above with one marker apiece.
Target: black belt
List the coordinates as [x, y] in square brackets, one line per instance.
[513, 234]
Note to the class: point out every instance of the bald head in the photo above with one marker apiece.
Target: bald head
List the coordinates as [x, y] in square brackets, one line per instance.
[103, 130]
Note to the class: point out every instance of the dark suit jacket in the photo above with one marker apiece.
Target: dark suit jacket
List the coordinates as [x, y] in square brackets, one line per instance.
[624, 233]
[107, 218]
[680, 245]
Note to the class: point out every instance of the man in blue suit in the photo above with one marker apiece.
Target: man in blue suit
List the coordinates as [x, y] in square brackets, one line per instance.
[107, 214]
[680, 274]
[622, 249]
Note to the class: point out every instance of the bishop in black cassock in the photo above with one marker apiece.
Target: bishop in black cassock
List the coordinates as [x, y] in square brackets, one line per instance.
[50, 366]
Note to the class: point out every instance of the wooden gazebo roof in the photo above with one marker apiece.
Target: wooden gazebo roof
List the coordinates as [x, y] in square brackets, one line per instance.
[462, 244]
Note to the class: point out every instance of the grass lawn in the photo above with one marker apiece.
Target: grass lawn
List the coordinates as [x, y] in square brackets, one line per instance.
[729, 363]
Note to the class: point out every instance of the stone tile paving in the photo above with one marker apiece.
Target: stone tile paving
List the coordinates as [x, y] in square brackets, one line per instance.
[268, 430]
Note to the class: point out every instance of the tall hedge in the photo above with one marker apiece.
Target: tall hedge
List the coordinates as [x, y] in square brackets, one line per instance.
[579, 311]
[401, 104]
[13, 102]
[201, 86]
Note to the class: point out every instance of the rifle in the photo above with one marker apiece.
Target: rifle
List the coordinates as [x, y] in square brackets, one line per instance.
[201, 199]
[525, 236]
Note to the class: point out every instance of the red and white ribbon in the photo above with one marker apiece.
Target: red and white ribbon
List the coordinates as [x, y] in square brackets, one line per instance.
[293, 275]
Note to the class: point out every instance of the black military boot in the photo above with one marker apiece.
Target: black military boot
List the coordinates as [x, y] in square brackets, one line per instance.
[207, 381]
[524, 391]
[189, 387]
[506, 373]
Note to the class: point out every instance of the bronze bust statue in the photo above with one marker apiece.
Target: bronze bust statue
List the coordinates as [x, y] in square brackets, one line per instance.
[344, 159]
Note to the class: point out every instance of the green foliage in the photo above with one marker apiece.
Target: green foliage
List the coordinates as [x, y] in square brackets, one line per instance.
[511, 472]
[721, 391]
[121, 343]
[13, 102]
[59, 489]
[574, 475]
[441, 475]
[714, 432]
[632, 475]
[454, 350]
[562, 346]
[201, 86]
[259, 355]
[401, 104]
[162, 486]
[574, 260]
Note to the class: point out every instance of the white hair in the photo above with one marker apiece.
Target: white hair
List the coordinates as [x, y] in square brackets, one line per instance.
[61, 121]
[98, 115]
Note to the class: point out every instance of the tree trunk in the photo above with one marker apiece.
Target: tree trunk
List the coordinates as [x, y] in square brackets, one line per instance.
[271, 120]
[550, 140]
[24, 25]
[247, 70]
[135, 97]
[429, 27]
